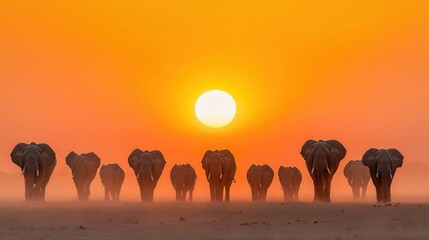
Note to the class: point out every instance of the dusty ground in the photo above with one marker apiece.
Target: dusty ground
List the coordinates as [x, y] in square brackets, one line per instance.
[98, 220]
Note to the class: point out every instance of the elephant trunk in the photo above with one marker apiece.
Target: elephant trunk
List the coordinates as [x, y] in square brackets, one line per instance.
[356, 195]
[255, 193]
[30, 192]
[218, 189]
[80, 187]
[319, 182]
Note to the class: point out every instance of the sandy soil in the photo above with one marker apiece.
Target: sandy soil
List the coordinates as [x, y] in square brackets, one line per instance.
[99, 220]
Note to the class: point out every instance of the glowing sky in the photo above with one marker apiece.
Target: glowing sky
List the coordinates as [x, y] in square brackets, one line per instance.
[109, 76]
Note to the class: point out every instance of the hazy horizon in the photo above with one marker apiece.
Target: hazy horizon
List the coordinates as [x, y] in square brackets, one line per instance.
[109, 77]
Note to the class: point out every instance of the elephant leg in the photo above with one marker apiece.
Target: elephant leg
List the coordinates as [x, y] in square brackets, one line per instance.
[191, 192]
[87, 190]
[184, 195]
[227, 188]
[106, 194]
[150, 197]
[212, 191]
[378, 191]
[327, 196]
[284, 195]
[178, 193]
[296, 194]
[118, 191]
[142, 194]
[388, 195]
[364, 191]
[42, 193]
[263, 195]
[316, 188]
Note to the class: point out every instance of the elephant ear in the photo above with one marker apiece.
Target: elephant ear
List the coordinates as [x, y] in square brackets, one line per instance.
[205, 161]
[338, 151]
[17, 154]
[397, 158]
[227, 154]
[159, 164]
[70, 159]
[103, 167]
[347, 168]
[192, 170]
[297, 173]
[306, 149]
[158, 156]
[48, 155]
[92, 161]
[133, 158]
[280, 172]
[173, 173]
[368, 158]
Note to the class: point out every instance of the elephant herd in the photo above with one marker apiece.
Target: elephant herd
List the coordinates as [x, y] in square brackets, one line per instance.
[322, 159]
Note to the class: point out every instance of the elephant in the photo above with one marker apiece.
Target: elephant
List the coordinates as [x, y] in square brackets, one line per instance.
[322, 159]
[220, 168]
[37, 162]
[148, 167]
[112, 177]
[183, 178]
[84, 168]
[260, 178]
[358, 177]
[382, 166]
[290, 179]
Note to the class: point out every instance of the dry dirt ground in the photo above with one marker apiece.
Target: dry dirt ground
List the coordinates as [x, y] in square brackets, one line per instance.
[99, 220]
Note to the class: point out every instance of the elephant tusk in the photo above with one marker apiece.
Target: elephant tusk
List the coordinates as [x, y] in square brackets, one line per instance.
[151, 177]
[329, 171]
[220, 177]
[22, 172]
[376, 175]
[312, 170]
[37, 172]
[138, 175]
[391, 177]
[351, 181]
[210, 174]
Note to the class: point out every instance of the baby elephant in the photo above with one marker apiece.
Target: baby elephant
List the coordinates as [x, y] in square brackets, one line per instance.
[112, 176]
[260, 178]
[84, 168]
[290, 179]
[183, 178]
[358, 177]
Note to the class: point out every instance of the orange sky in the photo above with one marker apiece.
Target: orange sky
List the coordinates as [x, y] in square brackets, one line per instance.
[110, 76]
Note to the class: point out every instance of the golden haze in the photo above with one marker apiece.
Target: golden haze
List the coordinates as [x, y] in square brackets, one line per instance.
[108, 77]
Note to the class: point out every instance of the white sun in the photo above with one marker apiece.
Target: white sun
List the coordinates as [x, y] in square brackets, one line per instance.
[215, 108]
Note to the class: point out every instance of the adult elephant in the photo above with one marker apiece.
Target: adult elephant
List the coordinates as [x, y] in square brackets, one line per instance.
[290, 180]
[220, 169]
[84, 168]
[382, 166]
[37, 162]
[112, 177]
[260, 179]
[148, 167]
[358, 177]
[322, 159]
[183, 178]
